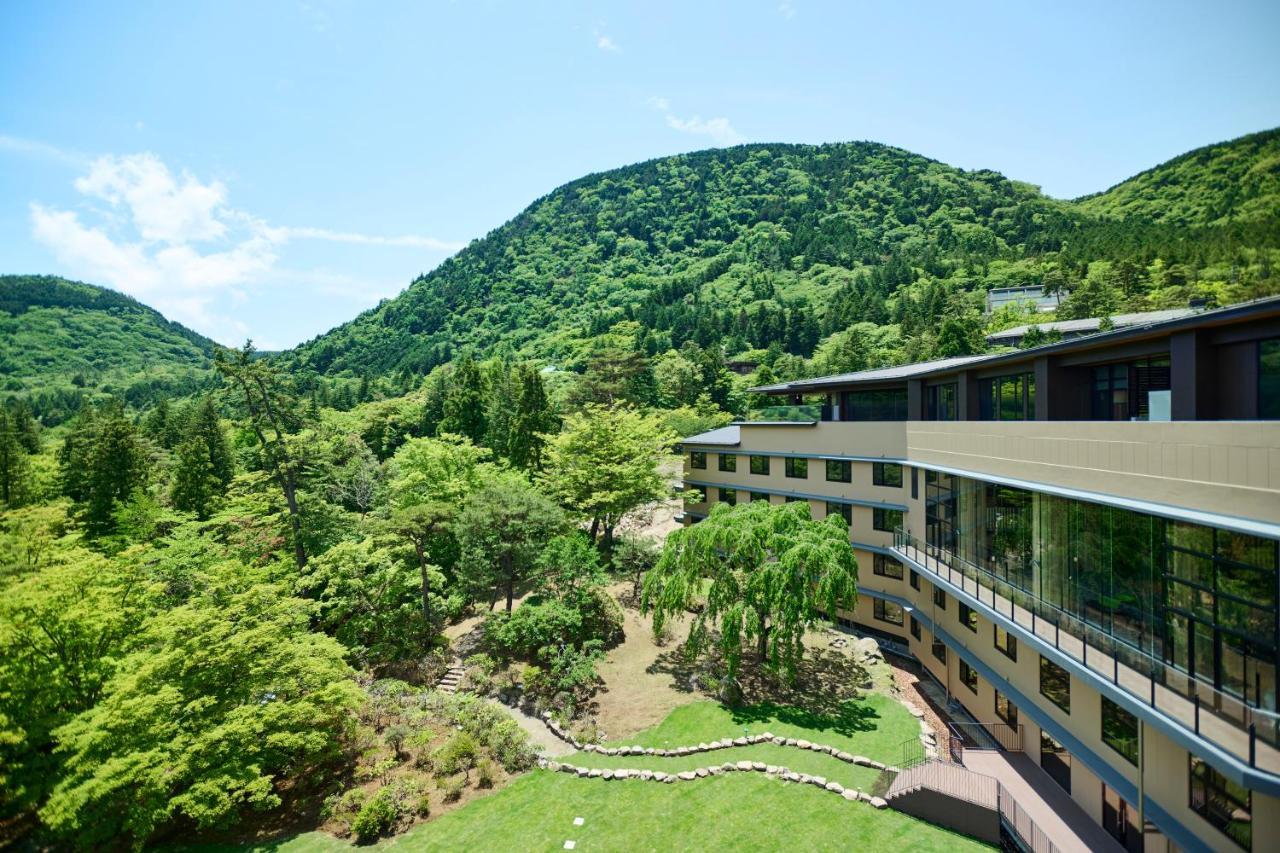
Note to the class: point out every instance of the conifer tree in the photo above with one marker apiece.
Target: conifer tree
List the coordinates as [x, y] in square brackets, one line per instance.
[464, 407]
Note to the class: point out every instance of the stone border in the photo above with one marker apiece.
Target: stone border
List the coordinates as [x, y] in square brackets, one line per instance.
[782, 774]
[726, 743]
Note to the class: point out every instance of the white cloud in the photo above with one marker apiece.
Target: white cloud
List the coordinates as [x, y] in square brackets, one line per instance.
[163, 209]
[41, 150]
[786, 10]
[607, 44]
[174, 242]
[718, 129]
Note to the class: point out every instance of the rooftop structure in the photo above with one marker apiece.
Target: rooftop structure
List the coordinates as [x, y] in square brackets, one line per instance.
[1070, 329]
[1034, 294]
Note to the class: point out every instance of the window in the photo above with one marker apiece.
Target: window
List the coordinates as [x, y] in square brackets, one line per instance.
[1007, 398]
[968, 618]
[1122, 392]
[729, 496]
[1120, 730]
[915, 483]
[1006, 710]
[728, 462]
[886, 474]
[886, 567]
[845, 511]
[969, 676]
[839, 471]
[1055, 760]
[760, 496]
[940, 651]
[940, 403]
[883, 518]
[797, 469]
[1055, 684]
[759, 464]
[793, 499]
[1006, 643]
[1269, 379]
[915, 627]
[1223, 803]
[887, 611]
[698, 459]
[915, 579]
[885, 405]
[939, 598]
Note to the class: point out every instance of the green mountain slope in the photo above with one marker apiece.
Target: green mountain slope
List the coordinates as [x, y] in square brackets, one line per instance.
[61, 341]
[782, 245]
[1239, 179]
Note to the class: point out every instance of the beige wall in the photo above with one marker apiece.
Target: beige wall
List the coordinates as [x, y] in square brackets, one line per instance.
[1228, 467]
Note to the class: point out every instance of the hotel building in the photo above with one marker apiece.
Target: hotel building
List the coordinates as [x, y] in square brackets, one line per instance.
[1079, 540]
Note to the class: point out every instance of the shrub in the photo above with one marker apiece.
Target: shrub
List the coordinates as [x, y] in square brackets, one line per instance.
[484, 774]
[458, 755]
[377, 816]
[452, 790]
[395, 737]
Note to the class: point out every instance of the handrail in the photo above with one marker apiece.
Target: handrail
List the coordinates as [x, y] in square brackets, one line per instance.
[1158, 685]
[1009, 738]
[1021, 824]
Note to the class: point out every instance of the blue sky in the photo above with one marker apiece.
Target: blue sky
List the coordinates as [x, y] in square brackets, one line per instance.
[270, 169]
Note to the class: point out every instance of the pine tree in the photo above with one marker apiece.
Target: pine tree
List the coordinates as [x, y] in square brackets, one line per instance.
[464, 407]
[204, 465]
[534, 418]
[14, 467]
[117, 465]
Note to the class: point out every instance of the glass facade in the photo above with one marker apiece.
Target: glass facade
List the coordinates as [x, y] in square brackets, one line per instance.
[1201, 599]
[1007, 398]
[1269, 379]
[1121, 392]
[889, 404]
[940, 403]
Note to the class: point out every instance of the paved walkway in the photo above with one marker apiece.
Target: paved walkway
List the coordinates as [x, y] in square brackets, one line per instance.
[1052, 808]
[543, 740]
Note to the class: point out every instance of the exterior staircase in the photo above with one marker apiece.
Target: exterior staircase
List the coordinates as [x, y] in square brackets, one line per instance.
[451, 679]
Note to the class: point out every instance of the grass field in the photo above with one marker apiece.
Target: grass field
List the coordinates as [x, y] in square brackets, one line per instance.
[741, 811]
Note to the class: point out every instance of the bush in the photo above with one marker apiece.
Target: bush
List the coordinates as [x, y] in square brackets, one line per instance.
[395, 737]
[452, 790]
[538, 624]
[458, 755]
[484, 774]
[377, 816]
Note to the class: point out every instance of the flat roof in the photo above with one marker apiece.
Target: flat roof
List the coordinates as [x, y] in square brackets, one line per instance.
[1214, 316]
[727, 436]
[1092, 324]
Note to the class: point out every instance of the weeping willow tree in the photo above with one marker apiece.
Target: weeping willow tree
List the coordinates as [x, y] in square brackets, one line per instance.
[764, 574]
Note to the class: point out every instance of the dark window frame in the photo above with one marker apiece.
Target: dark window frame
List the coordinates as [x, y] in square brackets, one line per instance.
[756, 462]
[915, 627]
[1206, 788]
[881, 474]
[968, 617]
[1126, 747]
[1010, 714]
[794, 464]
[968, 676]
[883, 518]
[880, 566]
[1052, 690]
[731, 500]
[759, 496]
[1010, 649]
[939, 598]
[845, 511]
[844, 471]
[698, 459]
[880, 611]
[939, 650]
[915, 580]
[727, 462]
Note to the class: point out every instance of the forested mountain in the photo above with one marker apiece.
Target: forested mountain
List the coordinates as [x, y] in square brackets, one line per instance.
[62, 341]
[777, 247]
[1237, 180]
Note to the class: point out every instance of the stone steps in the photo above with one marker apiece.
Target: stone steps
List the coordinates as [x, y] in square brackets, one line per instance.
[451, 680]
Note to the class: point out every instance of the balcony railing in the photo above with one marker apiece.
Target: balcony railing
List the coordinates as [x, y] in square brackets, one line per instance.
[1251, 734]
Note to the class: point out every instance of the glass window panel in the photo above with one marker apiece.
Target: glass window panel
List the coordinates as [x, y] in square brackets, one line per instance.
[728, 462]
[698, 459]
[759, 464]
[797, 468]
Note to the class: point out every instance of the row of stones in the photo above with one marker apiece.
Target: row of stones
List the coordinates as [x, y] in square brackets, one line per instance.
[777, 772]
[729, 743]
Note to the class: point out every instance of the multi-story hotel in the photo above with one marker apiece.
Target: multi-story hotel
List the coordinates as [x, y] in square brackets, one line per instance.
[1078, 540]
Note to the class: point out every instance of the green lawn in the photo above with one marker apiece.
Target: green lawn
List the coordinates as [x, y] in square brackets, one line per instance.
[740, 811]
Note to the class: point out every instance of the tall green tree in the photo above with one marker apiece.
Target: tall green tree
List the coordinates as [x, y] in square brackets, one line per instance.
[464, 407]
[225, 698]
[204, 464]
[606, 463]
[500, 531]
[15, 468]
[102, 462]
[533, 419]
[764, 573]
[427, 529]
[273, 412]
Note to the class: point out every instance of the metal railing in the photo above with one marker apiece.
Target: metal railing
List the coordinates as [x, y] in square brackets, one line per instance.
[1015, 820]
[1005, 736]
[1218, 717]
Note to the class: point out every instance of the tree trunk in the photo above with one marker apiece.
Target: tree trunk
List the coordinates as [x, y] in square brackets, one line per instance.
[595, 526]
[511, 581]
[606, 544]
[762, 642]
